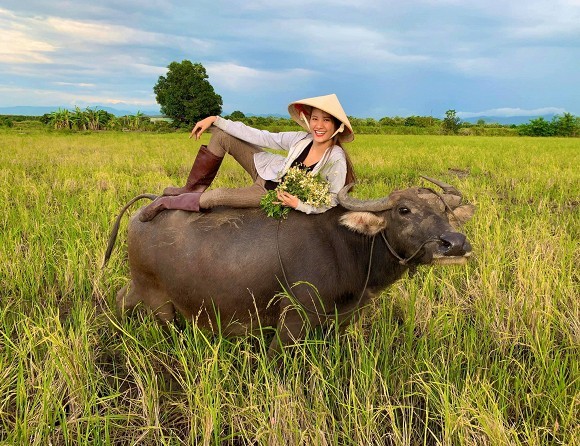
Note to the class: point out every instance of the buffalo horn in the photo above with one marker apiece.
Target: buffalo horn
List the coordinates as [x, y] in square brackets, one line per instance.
[354, 204]
[447, 188]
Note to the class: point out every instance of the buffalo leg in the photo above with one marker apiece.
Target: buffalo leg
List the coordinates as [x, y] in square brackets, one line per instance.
[129, 297]
[291, 329]
[126, 299]
[165, 312]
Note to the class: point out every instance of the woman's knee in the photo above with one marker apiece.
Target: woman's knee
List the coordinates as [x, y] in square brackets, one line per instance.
[216, 132]
[221, 138]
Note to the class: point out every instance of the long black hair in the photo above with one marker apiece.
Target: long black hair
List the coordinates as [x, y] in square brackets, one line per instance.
[350, 174]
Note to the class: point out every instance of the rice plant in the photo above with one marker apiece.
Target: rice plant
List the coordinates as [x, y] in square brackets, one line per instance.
[482, 354]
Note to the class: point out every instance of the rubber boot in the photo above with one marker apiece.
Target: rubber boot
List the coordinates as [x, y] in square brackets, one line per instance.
[203, 171]
[184, 202]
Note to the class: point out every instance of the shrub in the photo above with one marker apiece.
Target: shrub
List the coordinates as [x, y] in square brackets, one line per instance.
[451, 123]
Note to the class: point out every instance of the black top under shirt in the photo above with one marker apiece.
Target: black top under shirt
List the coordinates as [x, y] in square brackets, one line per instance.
[298, 162]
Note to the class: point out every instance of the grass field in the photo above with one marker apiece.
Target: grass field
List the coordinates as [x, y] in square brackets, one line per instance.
[483, 354]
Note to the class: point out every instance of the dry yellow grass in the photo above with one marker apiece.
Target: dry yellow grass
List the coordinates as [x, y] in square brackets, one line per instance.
[485, 353]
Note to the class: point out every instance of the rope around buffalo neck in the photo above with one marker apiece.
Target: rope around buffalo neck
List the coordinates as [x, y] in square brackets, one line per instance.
[304, 307]
[401, 260]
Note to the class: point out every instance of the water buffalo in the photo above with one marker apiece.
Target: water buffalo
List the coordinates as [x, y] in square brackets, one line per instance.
[235, 262]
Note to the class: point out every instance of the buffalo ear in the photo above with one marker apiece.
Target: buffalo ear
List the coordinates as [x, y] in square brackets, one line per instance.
[463, 213]
[365, 223]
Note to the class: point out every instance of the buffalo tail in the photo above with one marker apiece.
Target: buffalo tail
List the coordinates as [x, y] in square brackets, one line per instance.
[115, 230]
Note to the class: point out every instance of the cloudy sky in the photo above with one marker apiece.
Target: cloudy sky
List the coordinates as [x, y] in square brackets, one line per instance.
[381, 57]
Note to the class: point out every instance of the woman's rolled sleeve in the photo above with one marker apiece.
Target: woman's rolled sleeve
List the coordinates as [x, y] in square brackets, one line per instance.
[261, 138]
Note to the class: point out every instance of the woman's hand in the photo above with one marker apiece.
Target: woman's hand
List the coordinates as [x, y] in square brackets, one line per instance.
[202, 126]
[287, 199]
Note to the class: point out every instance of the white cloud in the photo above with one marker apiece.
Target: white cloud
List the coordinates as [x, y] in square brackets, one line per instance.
[232, 76]
[543, 20]
[98, 33]
[509, 112]
[345, 44]
[388, 55]
[17, 45]
[51, 97]
[301, 6]
[106, 34]
[75, 84]
[52, 39]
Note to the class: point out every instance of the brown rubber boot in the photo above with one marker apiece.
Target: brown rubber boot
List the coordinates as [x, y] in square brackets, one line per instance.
[203, 171]
[184, 202]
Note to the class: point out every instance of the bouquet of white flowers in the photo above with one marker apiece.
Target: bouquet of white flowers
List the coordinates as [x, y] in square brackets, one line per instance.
[310, 189]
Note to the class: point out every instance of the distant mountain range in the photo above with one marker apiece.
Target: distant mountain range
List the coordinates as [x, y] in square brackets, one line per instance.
[25, 110]
[507, 120]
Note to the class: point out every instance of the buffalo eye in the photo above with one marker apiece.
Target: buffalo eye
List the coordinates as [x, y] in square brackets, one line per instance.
[403, 210]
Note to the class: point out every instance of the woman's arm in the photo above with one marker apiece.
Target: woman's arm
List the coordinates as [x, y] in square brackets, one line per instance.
[202, 126]
[261, 138]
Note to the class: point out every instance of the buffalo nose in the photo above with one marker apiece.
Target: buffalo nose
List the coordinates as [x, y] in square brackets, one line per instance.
[454, 244]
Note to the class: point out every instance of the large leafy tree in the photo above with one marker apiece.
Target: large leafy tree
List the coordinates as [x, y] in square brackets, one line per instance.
[451, 123]
[185, 95]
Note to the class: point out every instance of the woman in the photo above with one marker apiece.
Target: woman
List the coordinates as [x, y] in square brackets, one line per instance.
[317, 150]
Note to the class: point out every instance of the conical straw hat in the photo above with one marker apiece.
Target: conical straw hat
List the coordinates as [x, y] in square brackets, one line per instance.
[300, 112]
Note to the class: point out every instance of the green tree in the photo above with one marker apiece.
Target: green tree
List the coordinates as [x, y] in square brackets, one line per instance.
[78, 119]
[387, 121]
[451, 123]
[537, 127]
[185, 95]
[60, 119]
[237, 115]
[566, 125]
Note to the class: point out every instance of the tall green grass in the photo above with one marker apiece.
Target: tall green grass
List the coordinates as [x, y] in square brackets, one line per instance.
[485, 354]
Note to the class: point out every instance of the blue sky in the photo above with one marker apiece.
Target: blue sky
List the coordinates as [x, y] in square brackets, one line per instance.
[382, 58]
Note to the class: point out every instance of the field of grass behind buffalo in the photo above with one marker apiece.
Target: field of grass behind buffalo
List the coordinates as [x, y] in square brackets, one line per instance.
[482, 354]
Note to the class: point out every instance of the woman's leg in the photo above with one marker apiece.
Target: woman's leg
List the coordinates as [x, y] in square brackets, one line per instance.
[220, 143]
[209, 158]
[204, 169]
[243, 152]
[241, 197]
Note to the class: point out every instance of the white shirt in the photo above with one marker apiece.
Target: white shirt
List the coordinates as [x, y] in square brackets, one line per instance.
[270, 166]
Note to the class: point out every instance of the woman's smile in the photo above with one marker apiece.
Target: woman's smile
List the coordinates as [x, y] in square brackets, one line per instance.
[322, 125]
